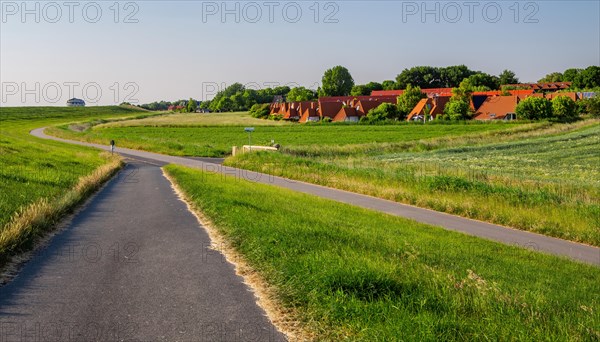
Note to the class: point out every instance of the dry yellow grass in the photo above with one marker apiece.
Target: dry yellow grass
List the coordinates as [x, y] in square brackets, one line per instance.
[29, 222]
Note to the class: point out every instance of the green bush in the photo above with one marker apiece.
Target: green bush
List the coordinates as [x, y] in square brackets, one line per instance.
[534, 108]
[590, 106]
[385, 111]
[457, 109]
[260, 111]
[564, 108]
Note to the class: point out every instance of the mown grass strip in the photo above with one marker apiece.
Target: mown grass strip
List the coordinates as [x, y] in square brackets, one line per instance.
[353, 274]
[546, 184]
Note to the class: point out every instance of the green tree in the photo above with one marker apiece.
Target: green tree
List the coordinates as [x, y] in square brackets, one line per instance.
[590, 106]
[419, 76]
[374, 86]
[534, 108]
[452, 76]
[365, 89]
[588, 78]
[508, 77]
[408, 100]
[336, 81]
[260, 111]
[360, 90]
[552, 77]
[483, 81]
[459, 106]
[570, 74]
[564, 108]
[300, 94]
[385, 111]
[457, 109]
[192, 105]
[388, 85]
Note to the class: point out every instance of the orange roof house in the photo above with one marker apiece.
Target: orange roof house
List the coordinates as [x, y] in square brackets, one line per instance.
[329, 109]
[552, 96]
[498, 108]
[356, 109]
[419, 110]
[428, 91]
[387, 92]
[435, 106]
[543, 86]
[346, 114]
[363, 107]
[310, 114]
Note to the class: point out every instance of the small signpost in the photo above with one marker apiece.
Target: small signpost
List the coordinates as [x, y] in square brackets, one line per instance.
[249, 130]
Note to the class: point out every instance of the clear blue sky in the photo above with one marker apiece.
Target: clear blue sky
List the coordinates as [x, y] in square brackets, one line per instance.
[182, 49]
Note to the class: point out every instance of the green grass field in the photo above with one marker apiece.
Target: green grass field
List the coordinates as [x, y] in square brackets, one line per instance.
[34, 170]
[534, 176]
[217, 140]
[195, 119]
[547, 184]
[353, 274]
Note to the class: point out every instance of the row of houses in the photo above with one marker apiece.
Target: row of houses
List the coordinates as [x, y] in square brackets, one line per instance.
[487, 105]
[337, 109]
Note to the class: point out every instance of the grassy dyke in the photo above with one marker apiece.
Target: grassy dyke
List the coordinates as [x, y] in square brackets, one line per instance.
[42, 179]
[217, 140]
[546, 184]
[194, 119]
[352, 274]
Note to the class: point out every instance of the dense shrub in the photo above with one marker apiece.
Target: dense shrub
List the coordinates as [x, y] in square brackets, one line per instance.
[385, 111]
[590, 106]
[534, 108]
[456, 109]
[564, 108]
[260, 111]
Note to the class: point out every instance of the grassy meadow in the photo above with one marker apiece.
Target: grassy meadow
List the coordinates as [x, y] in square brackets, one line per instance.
[176, 136]
[546, 183]
[41, 179]
[346, 273]
[536, 176]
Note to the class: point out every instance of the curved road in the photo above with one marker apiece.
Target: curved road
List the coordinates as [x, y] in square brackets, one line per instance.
[577, 251]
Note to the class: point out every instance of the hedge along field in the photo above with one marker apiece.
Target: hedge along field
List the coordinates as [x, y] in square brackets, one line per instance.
[37, 176]
[545, 183]
[217, 141]
[352, 274]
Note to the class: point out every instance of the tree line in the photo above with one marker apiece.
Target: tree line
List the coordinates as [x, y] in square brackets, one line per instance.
[338, 81]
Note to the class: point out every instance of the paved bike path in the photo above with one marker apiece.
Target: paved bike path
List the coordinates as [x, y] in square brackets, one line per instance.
[133, 265]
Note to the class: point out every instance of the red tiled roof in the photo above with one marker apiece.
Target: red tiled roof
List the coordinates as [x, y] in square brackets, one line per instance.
[543, 86]
[496, 107]
[418, 110]
[344, 113]
[329, 109]
[428, 91]
[571, 95]
[387, 92]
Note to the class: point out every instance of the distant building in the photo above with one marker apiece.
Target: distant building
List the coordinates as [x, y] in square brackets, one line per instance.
[75, 103]
[498, 108]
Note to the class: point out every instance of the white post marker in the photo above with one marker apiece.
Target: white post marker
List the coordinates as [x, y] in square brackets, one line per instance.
[249, 130]
[112, 146]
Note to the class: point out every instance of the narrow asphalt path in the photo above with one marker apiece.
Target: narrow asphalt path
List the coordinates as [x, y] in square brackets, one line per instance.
[537, 242]
[132, 265]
